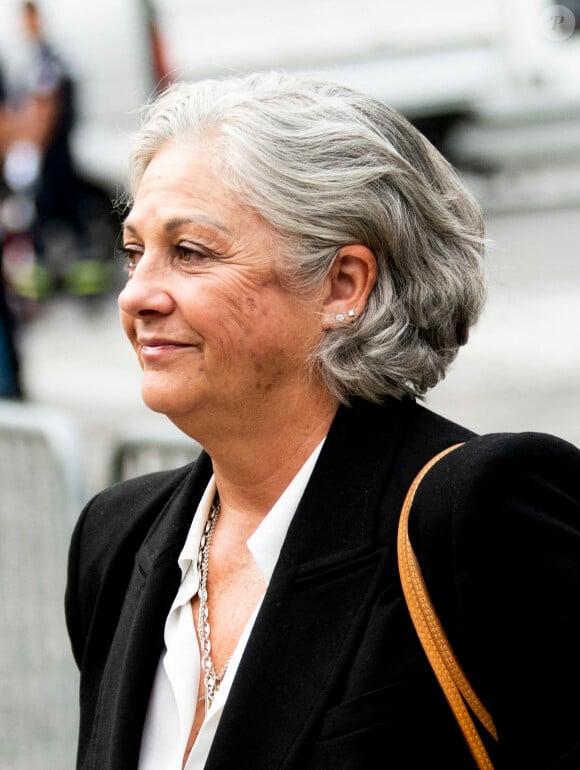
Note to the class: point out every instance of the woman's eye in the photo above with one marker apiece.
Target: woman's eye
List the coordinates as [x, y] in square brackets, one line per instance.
[189, 255]
[130, 257]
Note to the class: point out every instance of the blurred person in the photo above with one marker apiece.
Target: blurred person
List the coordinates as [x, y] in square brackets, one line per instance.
[302, 267]
[4, 114]
[10, 368]
[10, 380]
[44, 117]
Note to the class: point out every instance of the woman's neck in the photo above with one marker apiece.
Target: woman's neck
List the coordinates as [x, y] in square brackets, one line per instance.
[254, 463]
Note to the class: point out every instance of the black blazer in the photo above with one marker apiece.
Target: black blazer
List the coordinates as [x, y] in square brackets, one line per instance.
[333, 677]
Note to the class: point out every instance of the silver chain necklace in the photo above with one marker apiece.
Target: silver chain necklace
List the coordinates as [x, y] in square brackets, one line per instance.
[211, 680]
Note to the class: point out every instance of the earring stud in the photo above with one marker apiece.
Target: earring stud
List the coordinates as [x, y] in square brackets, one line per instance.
[351, 313]
[339, 317]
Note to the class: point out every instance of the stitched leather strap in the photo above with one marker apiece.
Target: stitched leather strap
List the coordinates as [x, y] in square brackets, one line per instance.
[447, 668]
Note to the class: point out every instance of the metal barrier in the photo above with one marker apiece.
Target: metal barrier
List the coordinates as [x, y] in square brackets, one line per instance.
[140, 451]
[41, 491]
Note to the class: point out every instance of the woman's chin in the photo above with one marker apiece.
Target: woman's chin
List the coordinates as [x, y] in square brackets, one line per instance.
[162, 395]
[158, 398]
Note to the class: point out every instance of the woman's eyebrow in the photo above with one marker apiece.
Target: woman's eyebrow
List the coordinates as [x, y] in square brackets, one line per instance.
[173, 224]
[128, 226]
[201, 219]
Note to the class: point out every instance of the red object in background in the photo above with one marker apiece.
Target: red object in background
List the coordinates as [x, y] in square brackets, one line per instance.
[160, 71]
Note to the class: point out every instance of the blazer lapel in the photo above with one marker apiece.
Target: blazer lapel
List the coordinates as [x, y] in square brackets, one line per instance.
[319, 593]
[138, 640]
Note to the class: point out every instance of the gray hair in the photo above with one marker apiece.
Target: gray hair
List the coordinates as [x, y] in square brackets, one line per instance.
[328, 166]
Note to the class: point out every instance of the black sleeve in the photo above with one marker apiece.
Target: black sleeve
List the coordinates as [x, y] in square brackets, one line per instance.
[73, 605]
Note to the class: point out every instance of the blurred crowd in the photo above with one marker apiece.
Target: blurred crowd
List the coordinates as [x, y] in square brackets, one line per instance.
[47, 211]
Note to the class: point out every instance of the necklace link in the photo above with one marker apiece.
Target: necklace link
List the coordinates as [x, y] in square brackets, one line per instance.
[211, 679]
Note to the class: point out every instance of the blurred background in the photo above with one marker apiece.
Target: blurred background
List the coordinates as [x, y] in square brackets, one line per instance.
[496, 86]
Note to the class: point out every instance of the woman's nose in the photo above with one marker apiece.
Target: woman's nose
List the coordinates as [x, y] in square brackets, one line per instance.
[146, 291]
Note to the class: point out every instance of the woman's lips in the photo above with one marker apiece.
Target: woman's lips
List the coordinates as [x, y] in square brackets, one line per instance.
[154, 350]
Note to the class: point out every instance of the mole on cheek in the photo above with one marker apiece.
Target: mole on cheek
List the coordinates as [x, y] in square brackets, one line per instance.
[251, 303]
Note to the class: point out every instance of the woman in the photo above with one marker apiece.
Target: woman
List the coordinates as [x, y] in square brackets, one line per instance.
[302, 267]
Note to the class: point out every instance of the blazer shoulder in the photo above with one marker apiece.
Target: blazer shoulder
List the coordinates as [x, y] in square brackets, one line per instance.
[123, 505]
[432, 431]
[500, 457]
[496, 530]
[500, 482]
[116, 521]
[110, 531]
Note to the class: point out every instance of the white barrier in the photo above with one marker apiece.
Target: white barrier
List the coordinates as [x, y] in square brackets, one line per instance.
[41, 491]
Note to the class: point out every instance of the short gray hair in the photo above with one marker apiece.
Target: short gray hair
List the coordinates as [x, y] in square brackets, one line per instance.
[328, 166]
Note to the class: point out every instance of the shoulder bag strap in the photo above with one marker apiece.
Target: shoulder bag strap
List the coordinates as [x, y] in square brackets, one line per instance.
[448, 671]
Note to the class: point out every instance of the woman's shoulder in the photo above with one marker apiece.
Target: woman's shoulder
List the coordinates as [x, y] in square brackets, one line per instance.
[107, 535]
[135, 494]
[127, 509]
[501, 456]
[496, 531]
[501, 482]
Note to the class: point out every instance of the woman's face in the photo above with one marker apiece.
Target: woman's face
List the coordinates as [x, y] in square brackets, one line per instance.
[214, 332]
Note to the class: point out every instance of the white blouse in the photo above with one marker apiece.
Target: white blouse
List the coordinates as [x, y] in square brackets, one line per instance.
[175, 688]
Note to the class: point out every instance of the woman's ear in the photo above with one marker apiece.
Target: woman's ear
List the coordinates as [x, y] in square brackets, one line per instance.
[348, 285]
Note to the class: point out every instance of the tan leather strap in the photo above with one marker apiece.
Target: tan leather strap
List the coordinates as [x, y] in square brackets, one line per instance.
[448, 671]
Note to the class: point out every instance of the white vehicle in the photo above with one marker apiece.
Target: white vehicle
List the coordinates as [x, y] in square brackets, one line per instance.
[431, 60]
